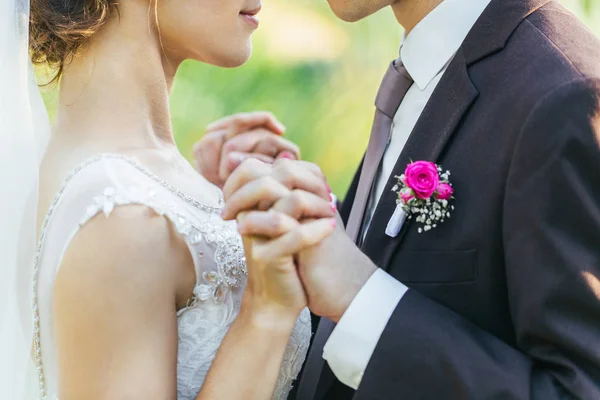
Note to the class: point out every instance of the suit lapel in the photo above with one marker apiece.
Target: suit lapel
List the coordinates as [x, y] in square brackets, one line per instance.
[450, 101]
[442, 115]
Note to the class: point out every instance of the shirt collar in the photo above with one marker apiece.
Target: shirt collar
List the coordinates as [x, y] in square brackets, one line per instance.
[433, 42]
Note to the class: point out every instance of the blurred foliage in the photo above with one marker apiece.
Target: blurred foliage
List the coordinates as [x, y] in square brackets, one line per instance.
[316, 73]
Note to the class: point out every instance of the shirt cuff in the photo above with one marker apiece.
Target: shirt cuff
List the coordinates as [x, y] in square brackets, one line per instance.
[353, 341]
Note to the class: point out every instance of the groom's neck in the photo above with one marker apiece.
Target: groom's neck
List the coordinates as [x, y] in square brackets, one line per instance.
[410, 12]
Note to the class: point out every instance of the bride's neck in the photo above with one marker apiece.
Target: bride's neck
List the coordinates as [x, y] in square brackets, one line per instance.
[117, 88]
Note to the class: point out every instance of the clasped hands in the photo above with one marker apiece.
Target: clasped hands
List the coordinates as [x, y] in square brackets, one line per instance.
[297, 251]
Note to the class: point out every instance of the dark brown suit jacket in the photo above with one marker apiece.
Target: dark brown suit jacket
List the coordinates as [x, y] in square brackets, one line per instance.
[504, 299]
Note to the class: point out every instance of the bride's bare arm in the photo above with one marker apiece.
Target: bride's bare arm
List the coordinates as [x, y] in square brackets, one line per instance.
[115, 310]
[247, 364]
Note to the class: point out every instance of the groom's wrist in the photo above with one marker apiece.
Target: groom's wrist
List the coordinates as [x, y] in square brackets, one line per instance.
[362, 272]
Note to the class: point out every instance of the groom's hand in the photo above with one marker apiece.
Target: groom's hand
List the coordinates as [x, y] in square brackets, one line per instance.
[231, 140]
[332, 271]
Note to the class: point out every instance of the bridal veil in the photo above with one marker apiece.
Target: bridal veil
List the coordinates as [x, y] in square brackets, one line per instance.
[24, 131]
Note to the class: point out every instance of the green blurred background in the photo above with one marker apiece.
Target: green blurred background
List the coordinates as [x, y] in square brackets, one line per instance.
[317, 74]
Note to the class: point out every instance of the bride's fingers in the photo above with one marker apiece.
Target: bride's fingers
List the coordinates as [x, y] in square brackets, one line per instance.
[259, 194]
[248, 171]
[251, 186]
[303, 236]
[312, 167]
[292, 173]
[300, 204]
[266, 224]
[301, 175]
[230, 161]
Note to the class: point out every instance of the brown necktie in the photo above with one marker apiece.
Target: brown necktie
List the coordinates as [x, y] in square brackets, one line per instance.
[396, 83]
[394, 86]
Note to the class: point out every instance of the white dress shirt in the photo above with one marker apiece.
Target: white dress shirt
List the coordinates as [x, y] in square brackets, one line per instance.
[426, 53]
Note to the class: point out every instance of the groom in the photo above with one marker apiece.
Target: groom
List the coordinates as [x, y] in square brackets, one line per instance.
[502, 300]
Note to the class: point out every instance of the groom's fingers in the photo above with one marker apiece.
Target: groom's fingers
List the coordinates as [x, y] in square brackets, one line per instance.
[259, 194]
[300, 204]
[303, 236]
[241, 122]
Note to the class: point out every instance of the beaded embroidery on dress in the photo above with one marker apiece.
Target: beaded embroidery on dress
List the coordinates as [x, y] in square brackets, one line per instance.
[98, 186]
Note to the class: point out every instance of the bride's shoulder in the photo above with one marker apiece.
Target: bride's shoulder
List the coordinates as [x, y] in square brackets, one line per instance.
[116, 295]
[132, 254]
[122, 232]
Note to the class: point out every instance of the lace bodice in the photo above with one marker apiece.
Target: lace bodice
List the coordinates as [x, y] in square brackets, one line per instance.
[108, 181]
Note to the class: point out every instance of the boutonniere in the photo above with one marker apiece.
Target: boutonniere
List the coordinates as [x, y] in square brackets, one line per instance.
[424, 192]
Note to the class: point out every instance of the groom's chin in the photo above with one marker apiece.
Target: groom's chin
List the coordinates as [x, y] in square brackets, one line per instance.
[355, 10]
[346, 15]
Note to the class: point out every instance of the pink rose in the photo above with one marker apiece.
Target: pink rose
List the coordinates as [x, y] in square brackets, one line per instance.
[444, 191]
[406, 196]
[422, 177]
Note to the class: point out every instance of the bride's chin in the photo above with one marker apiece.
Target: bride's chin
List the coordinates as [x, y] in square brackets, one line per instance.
[236, 59]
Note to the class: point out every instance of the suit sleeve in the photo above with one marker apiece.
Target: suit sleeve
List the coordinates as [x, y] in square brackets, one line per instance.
[551, 232]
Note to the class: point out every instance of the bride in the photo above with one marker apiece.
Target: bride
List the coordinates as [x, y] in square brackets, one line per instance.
[135, 286]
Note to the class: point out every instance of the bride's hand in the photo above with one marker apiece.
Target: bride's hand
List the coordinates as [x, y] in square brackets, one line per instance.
[274, 292]
[231, 140]
[273, 237]
[294, 187]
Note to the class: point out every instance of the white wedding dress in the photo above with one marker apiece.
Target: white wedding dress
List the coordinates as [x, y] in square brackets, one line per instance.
[107, 181]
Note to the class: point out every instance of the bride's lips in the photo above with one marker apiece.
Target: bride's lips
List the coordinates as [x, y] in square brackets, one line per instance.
[250, 15]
